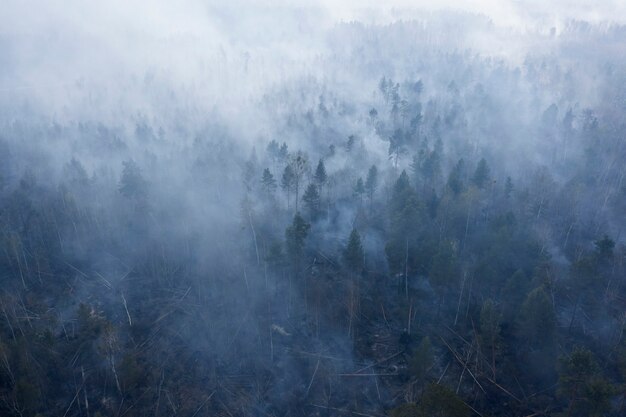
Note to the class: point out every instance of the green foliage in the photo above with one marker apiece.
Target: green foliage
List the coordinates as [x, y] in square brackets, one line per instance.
[455, 179]
[482, 174]
[359, 189]
[514, 292]
[422, 360]
[580, 381]
[283, 152]
[299, 164]
[295, 236]
[26, 395]
[353, 253]
[268, 182]
[406, 410]
[275, 254]
[490, 324]
[311, 199]
[440, 401]
[604, 248]
[406, 221]
[273, 150]
[132, 184]
[371, 183]
[397, 145]
[427, 165]
[250, 171]
[320, 173]
[443, 273]
[538, 319]
[287, 179]
[437, 401]
[401, 194]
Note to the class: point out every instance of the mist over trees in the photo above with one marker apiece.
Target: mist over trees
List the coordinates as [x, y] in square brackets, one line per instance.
[408, 220]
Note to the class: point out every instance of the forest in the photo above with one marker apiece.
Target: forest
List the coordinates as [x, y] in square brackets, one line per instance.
[414, 218]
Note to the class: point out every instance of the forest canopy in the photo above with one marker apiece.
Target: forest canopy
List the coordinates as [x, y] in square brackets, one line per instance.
[235, 210]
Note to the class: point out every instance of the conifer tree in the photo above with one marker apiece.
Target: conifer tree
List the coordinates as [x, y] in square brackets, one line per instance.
[287, 182]
[359, 189]
[371, 183]
[538, 319]
[295, 235]
[268, 182]
[311, 199]
[482, 174]
[320, 174]
[132, 184]
[455, 179]
[353, 254]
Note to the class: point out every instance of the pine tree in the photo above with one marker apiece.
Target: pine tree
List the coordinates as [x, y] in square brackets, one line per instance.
[295, 235]
[538, 319]
[132, 184]
[359, 189]
[482, 174]
[311, 199]
[439, 400]
[320, 174]
[405, 218]
[299, 166]
[490, 327]
[604, 248]
[431, 169]
[444, 269]
[401, 193]
[397, 146]
[283, 153]
[580, 381]
[371, 183]
[75, 172]
[455, 179]
[268, 182]
[422, 360]
[353, 253]
[287, 182]
[273, 150]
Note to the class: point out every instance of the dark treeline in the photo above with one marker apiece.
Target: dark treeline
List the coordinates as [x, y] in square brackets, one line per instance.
[446, 244]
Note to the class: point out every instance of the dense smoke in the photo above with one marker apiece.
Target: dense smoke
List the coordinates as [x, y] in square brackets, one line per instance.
[312, 209]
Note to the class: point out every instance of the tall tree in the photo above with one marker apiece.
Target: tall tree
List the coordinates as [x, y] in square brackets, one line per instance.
[353, 253]
[490, 328]
[273, 150]
[371, 183]
[295, 236]
[423, 360]
[482, 174]
[359, 189]
[580, 381]
[287, 182]
[320, 174]
[538, 319]
[299, 164]
[268, 182]
[283, 153]
[311, 199]
[397, 146]
[455, 179]
[132, 184]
